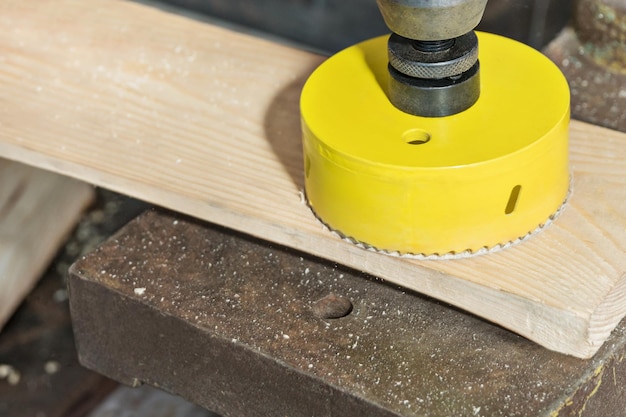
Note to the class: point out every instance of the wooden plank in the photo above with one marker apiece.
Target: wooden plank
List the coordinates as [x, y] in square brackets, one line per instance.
[205, 121]
[37, 210]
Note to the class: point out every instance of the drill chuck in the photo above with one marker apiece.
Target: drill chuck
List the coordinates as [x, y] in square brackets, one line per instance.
[433, 78]
[433, 55]
[432, 20]
[433, 59]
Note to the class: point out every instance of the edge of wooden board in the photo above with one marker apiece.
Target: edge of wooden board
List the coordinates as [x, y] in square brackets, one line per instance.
[38, 209]
[205, 121]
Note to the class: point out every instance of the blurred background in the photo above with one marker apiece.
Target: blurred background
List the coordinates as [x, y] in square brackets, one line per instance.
[330, 25]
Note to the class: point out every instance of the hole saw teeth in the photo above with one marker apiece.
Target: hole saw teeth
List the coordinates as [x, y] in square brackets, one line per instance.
[468, 253]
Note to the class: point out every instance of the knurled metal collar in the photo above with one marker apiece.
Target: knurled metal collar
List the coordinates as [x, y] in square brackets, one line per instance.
[407, 59]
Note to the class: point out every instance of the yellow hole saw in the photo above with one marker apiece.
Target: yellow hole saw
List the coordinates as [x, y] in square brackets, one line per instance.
[436, 142]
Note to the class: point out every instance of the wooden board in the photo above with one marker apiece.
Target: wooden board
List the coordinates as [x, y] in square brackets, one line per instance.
[205, 121]
[37, 210]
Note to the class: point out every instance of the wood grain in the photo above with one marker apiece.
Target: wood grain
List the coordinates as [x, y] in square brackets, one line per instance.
[205, 121]
[37, 210]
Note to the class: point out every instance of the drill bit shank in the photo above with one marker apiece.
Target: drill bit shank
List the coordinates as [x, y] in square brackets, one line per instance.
[433, 55]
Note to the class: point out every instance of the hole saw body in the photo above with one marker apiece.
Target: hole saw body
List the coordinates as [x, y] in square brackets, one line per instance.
[425, 185]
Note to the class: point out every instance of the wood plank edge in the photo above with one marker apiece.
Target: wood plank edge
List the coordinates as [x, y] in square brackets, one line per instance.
[608, 314]
[75, 196]
[474, 298]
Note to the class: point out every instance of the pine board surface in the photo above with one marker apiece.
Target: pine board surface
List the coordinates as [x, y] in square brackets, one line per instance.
[205, 121]
[37, 210]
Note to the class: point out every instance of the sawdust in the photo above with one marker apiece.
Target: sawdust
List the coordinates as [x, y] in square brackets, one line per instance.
[410, 356]
[10, 374]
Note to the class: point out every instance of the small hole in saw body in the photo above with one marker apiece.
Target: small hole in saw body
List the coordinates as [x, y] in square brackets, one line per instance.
[416, 137]
[510, 205]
